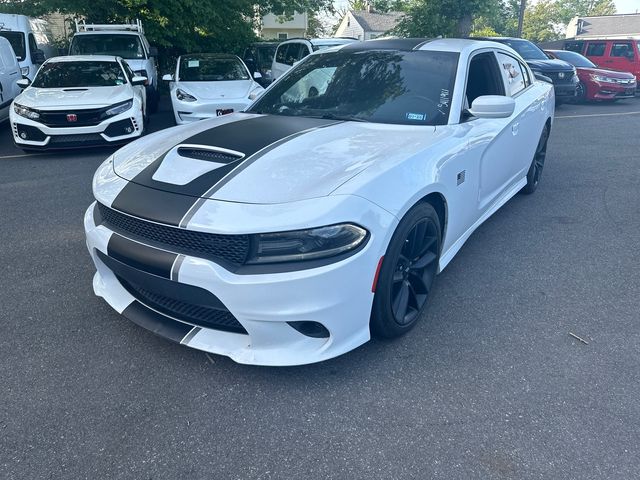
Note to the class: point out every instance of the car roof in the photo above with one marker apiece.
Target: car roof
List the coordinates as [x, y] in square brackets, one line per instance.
[210, 55]
[109, 32]
[83, 58]
[458, 45]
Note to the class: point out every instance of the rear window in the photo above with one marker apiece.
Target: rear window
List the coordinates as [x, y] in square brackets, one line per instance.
[574, 59]
[526, 49]
[16, 39]
[79, 74]
[118, 45]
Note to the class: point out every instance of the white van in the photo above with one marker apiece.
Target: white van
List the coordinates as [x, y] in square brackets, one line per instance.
[30, 38]
[9, 75]
[125, 41]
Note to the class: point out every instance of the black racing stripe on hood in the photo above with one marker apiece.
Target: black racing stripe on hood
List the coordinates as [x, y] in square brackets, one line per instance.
[160, 201]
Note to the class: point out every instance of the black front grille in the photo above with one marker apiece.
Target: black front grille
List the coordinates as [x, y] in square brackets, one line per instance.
[92, 138]
[200, 315]
[233, 249]
[555, 76]
[83, 118]
[208, 155]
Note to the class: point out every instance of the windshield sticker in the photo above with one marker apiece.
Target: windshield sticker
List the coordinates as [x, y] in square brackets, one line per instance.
[193, 63]
[443, 105]
[420, 117]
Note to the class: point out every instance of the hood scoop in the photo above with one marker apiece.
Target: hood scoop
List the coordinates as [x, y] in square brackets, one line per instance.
[185, 163]
[75, 89]
[209, 154]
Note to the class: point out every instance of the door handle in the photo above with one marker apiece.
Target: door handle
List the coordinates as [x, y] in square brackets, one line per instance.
[514, 128]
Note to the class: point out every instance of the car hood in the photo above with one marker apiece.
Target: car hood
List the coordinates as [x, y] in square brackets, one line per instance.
[550, 65]
[608, 73]
[218, 90]
[264, 159]
[56, 98]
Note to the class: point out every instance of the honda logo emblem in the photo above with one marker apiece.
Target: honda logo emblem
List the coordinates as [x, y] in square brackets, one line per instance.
[561, 75]
[72, 117]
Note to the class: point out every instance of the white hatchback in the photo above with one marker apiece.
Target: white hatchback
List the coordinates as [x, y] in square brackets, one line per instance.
[208, 85]
[79, 101]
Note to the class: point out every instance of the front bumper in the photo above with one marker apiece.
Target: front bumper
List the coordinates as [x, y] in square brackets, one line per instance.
[611, 91]
[189, 112]
[117, 130]
[338, 295]
[565, 90]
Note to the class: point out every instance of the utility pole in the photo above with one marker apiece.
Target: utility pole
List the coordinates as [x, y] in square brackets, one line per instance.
[523, 5]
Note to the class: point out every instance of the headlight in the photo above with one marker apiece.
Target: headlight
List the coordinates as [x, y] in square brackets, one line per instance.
[602, 78]
[311, 244]
[119, 108]
[184, 96]
[24, 71]
[26, 111]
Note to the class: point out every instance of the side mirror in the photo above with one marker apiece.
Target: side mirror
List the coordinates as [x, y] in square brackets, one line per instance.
[254, 95]
[167, 77]
[153, 51]
[257, 75]
[23, 83]
[542, 78]
[137, 80]
[37, 57]
[492, 106]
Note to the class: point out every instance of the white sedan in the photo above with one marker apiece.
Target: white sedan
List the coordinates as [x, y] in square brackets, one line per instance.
[79, 101]
[292, 232]
[210, 85]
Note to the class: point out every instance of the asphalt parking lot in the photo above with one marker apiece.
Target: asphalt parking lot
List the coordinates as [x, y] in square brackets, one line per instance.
[490, 385]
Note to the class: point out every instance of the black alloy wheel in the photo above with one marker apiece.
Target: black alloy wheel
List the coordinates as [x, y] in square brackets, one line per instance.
[408, 272]
[537, 165]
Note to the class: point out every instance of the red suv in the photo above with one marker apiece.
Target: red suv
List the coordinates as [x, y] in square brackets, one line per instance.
[622, 55]
[597, 83]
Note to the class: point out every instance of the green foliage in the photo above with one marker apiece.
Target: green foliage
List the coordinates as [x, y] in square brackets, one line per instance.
[177, 25]
[448, 18]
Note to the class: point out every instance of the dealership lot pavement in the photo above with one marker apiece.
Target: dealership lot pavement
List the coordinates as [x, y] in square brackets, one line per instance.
[490, 385]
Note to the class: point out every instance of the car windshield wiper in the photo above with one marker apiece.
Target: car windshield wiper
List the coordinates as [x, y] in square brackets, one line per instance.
[347, 118]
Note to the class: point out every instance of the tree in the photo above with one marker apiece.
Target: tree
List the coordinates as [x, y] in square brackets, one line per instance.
[177, 25]
[449, 18]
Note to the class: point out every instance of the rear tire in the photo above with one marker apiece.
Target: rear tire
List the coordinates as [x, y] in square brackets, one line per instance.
[407, 274]
[537, 164]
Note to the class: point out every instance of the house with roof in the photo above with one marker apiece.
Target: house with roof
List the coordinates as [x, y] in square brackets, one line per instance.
[282, 27]
[605, 26]
[365, 25]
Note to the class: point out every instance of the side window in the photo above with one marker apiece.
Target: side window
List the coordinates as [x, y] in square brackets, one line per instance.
[281, 53]
[483, 78]
[596, 49]
[294, 53]
[574, 46]
[621, 49]
[33, 46]
[525, 74]
[512, 73]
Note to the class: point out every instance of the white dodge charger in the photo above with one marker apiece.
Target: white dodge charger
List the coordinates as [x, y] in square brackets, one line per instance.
[209, 85]
[79, 101]
[294, 231]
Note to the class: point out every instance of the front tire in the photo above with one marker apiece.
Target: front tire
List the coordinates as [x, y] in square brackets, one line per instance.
[537, 164]
[407, 274]
[581, 93]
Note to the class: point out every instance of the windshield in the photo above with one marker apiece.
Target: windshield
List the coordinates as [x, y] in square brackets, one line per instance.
[118, 45]
[383, 86]
[79, 74]
[526, 49]
[575, 59]
[16, 39]
[195, 68]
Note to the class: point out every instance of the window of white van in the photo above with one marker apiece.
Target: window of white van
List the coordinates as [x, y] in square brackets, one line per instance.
[125, 46]
[16, 39]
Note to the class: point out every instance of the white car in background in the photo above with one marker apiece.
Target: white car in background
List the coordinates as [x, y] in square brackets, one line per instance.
[292, 51]
[79, 101]
[9, 74]
[209, 84]
[292, 232]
